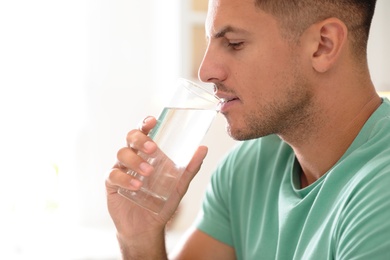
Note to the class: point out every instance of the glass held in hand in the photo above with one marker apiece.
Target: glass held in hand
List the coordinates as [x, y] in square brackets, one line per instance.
[179, 131]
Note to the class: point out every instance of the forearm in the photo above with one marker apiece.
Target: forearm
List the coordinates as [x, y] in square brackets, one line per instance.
[143, 247]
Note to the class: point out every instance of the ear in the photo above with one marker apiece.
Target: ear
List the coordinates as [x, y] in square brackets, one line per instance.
[331, 38]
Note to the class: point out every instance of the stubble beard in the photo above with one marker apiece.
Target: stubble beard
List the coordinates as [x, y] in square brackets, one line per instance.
[290, 116]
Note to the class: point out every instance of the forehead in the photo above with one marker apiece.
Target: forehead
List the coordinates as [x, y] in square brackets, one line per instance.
[240, 14]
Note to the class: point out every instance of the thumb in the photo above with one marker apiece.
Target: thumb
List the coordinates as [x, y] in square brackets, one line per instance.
[197, 159]
[192, 168]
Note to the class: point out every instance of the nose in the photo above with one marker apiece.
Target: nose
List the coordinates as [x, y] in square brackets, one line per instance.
[212, 69]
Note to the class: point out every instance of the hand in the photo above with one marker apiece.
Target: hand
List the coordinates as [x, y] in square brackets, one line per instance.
[134, 223]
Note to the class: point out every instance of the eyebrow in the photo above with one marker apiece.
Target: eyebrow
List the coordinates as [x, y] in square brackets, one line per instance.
[228, 29]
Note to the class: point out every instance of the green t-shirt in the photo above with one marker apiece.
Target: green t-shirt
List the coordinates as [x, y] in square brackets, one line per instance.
[254, 202]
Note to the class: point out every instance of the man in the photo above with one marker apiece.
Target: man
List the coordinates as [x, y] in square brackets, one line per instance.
[311, 181]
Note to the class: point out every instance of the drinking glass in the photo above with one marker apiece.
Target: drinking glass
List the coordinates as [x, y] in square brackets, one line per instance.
[180, 129]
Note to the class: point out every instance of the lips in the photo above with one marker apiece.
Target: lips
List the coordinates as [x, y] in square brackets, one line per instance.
[225, 100]
[226, 103]
[227, 97]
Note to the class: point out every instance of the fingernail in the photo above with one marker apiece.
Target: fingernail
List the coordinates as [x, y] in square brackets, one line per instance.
[149, 145]
[135, 183]
[146, 168]
[147, 119]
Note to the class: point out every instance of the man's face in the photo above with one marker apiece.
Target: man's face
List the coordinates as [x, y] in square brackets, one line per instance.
[257, 72]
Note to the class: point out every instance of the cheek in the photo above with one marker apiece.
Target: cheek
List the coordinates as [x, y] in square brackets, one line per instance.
[265, 82]
[266, 67]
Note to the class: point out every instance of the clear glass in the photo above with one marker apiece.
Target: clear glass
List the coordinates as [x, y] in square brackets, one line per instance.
[180, 129]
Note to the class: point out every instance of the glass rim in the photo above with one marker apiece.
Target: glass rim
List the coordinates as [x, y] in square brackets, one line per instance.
[202, 91]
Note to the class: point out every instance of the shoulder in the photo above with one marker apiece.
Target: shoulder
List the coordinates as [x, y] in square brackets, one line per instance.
[364, 226]
[365, 174]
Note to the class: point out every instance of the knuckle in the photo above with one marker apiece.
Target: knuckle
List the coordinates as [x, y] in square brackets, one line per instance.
[131, 136]
[111, 177]
[121, 152]
[135, 138]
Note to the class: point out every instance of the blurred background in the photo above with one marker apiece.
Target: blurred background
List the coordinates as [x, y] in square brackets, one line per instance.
[75, 76]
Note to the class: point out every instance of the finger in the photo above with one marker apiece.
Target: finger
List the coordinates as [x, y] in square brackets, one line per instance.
[197, 159]
[118, 179]
[192, 168]
[147, 124]
[128, 160]
[139, 141]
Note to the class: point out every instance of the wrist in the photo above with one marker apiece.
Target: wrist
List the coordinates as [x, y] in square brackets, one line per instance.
[145, 246]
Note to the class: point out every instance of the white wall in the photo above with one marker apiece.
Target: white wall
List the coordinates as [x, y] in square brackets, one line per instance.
[121, 87]
[378, 48]
[75, 76]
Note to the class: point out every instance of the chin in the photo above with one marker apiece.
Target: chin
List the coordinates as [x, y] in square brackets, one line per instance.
[245, 132]
[239, 130]
[239, 134]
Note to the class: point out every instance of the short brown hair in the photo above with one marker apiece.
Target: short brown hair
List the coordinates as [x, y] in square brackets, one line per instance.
[297, 15]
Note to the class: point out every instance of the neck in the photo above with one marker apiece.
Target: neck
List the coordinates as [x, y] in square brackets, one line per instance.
[318, 152]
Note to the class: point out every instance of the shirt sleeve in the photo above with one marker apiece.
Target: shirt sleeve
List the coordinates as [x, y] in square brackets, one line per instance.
[214, 217]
